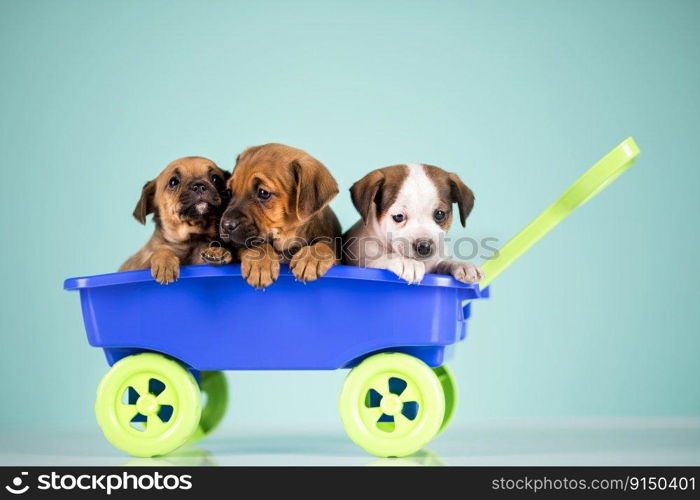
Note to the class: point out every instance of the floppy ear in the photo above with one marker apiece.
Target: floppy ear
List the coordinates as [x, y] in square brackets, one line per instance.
[315, 187]
[380, 187]
[461, 195]
[145, 204]
[365, 191]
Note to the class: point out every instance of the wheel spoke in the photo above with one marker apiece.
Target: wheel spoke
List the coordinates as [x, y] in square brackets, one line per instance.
[371, 415]
[401, 423]
[125, 412]
[410, 394]
[140, 383]
[154, 425]
[167, 397]
[379, 384]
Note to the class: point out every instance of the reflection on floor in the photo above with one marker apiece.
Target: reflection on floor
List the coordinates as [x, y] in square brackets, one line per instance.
[551, 442]
[192, 456]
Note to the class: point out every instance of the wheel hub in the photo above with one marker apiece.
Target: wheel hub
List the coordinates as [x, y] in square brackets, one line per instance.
[147, 405]
[391, 404]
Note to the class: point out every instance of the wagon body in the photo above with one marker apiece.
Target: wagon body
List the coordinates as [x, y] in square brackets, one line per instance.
[211, 319]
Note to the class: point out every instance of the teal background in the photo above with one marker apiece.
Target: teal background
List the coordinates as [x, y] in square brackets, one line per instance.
[599, 319]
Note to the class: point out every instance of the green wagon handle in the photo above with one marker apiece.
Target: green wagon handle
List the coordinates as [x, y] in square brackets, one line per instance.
[597, 178]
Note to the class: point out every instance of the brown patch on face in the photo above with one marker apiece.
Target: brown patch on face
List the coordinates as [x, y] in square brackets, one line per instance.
[451, 190]
[276, 189]
[186, 198]
[380, 187]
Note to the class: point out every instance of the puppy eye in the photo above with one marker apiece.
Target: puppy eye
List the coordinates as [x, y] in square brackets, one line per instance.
[216, 180]
[263, 195]
[173, 182]
[439, 215]
[398, 217]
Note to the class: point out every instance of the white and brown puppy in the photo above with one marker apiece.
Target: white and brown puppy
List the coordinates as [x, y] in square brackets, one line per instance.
[406, 211]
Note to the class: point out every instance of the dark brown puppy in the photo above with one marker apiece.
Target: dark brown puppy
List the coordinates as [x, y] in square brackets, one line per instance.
[186, 200]
[279, 213]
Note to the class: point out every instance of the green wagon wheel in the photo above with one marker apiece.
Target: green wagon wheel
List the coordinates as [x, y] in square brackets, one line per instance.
[392, 404]
[449, 388]
[214, 388]
[148, 405]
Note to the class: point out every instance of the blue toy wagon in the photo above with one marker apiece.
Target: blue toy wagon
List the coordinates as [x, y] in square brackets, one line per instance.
[398, 394]
[149, 402]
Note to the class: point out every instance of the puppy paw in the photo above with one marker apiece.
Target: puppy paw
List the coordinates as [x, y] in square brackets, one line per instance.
[410, 270]
[467, 273]
[165, 269]
[260, 266]
[312, 262]
[216, 256]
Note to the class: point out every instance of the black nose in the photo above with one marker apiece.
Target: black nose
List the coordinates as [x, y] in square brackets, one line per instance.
[424, 247]
[229, 225]
[198, 187]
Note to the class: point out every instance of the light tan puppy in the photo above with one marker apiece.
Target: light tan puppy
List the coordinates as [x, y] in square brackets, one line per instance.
[279, 213]
[406, 211]
[186, 200]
